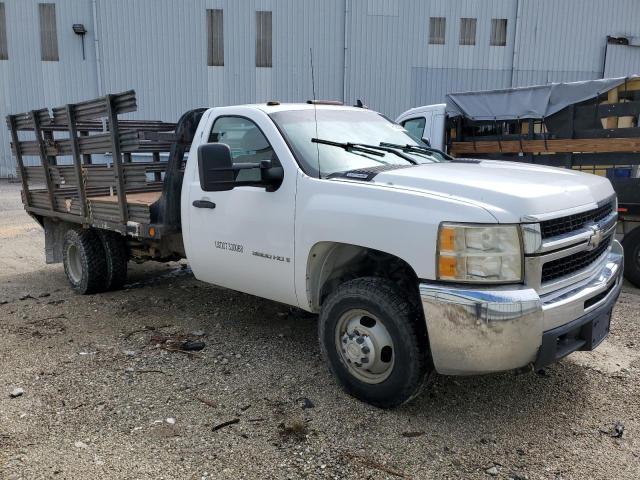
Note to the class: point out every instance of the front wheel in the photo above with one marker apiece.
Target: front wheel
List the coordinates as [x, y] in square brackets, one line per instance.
[375, 342]
[631, 245]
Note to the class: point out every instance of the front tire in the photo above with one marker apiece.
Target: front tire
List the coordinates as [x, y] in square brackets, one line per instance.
[631, 245]
[84, 261]
[375, 342]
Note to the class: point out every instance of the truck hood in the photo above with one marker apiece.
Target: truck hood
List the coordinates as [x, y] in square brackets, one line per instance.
[508, 190]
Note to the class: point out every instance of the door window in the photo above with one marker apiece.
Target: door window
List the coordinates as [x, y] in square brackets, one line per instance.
[415, 127]
[246, 141]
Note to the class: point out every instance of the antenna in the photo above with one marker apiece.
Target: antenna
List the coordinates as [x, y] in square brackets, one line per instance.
[315, 111]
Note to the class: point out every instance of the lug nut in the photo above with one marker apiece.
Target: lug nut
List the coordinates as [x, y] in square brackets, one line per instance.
[365, 349]
[358, 364]
[360, 340]
[364, 360]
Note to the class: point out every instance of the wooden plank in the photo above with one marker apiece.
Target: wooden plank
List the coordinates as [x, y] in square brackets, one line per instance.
[43, 157]
[586, 145]
[77, 161]
[612, 97]
[11, 120]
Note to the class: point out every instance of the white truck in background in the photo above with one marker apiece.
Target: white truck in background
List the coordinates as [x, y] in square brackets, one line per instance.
[416, 263]
[428, 123]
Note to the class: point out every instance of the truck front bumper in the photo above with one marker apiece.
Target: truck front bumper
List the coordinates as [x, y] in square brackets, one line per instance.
[475, 331]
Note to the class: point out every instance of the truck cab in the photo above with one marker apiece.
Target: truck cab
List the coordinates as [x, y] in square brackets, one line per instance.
[426, 123]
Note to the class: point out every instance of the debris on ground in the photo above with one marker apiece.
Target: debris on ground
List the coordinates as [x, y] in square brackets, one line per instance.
[305, 403]
[295, 429]
[192, 345]
[412, 434]
[616, 432]
[374, 464]
[493, 471]
[16, 392]
[177, 342]
[207, 402]
[225, 424]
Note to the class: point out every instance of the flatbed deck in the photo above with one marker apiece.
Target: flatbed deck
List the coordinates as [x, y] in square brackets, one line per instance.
[145, 198]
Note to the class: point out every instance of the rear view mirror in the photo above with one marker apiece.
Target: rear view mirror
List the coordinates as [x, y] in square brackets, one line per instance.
[426, 141]
[215, 167]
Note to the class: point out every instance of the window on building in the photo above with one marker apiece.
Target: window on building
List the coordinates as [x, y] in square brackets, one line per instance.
[263, 39]
[499, 32]
[437, 27]
[215, 38]
[4, 50]
[48, 32]
[468, 31]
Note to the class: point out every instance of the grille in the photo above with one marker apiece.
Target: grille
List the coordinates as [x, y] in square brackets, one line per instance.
[572, 263]
[559, 226]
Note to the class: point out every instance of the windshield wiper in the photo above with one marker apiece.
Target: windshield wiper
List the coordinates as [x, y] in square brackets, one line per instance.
[415, 148]
[363, 147]
[349, 147]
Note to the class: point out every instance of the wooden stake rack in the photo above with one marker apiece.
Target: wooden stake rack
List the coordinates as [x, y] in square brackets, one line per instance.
[67, 184]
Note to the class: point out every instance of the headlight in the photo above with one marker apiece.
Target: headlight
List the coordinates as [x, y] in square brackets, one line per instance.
[479, 253]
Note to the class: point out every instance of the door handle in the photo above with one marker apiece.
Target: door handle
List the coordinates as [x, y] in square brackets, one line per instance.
[203, 204]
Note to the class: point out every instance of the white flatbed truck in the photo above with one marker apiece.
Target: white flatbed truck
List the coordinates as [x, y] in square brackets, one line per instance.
[416, 263]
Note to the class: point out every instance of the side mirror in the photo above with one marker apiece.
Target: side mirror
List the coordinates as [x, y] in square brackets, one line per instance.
[215, 167]
[426, 141]
[271, 176]
[218, 173]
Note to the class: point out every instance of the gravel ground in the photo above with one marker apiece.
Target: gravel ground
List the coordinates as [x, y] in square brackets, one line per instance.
[106, 397]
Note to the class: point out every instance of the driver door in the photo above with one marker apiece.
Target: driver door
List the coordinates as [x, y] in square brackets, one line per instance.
[245, 241]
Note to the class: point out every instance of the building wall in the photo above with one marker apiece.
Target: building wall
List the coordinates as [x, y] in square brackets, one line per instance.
[374, 50]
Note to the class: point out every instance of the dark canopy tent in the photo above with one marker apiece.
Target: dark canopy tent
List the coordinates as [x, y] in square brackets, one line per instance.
[535, 102]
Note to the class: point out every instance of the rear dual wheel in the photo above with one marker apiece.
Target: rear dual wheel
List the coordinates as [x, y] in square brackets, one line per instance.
[94, 261]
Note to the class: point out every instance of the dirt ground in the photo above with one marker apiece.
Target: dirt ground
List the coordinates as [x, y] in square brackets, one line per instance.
[106, 397]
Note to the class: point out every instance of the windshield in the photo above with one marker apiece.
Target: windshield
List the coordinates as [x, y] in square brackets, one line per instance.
[346, 126]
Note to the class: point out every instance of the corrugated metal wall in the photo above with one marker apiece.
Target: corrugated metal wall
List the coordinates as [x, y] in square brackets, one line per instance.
[383, 57]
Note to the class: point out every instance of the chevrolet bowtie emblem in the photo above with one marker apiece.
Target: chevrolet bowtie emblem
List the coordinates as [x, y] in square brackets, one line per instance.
[596, 237]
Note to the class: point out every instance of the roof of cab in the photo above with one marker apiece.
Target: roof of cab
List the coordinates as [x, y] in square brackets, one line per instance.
[282, 107]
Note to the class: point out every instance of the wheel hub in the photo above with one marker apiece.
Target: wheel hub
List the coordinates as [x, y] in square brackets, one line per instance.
[358, 349]
[365, 346]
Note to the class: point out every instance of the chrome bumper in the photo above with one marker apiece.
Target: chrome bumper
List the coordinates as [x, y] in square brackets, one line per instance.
[475, 331]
